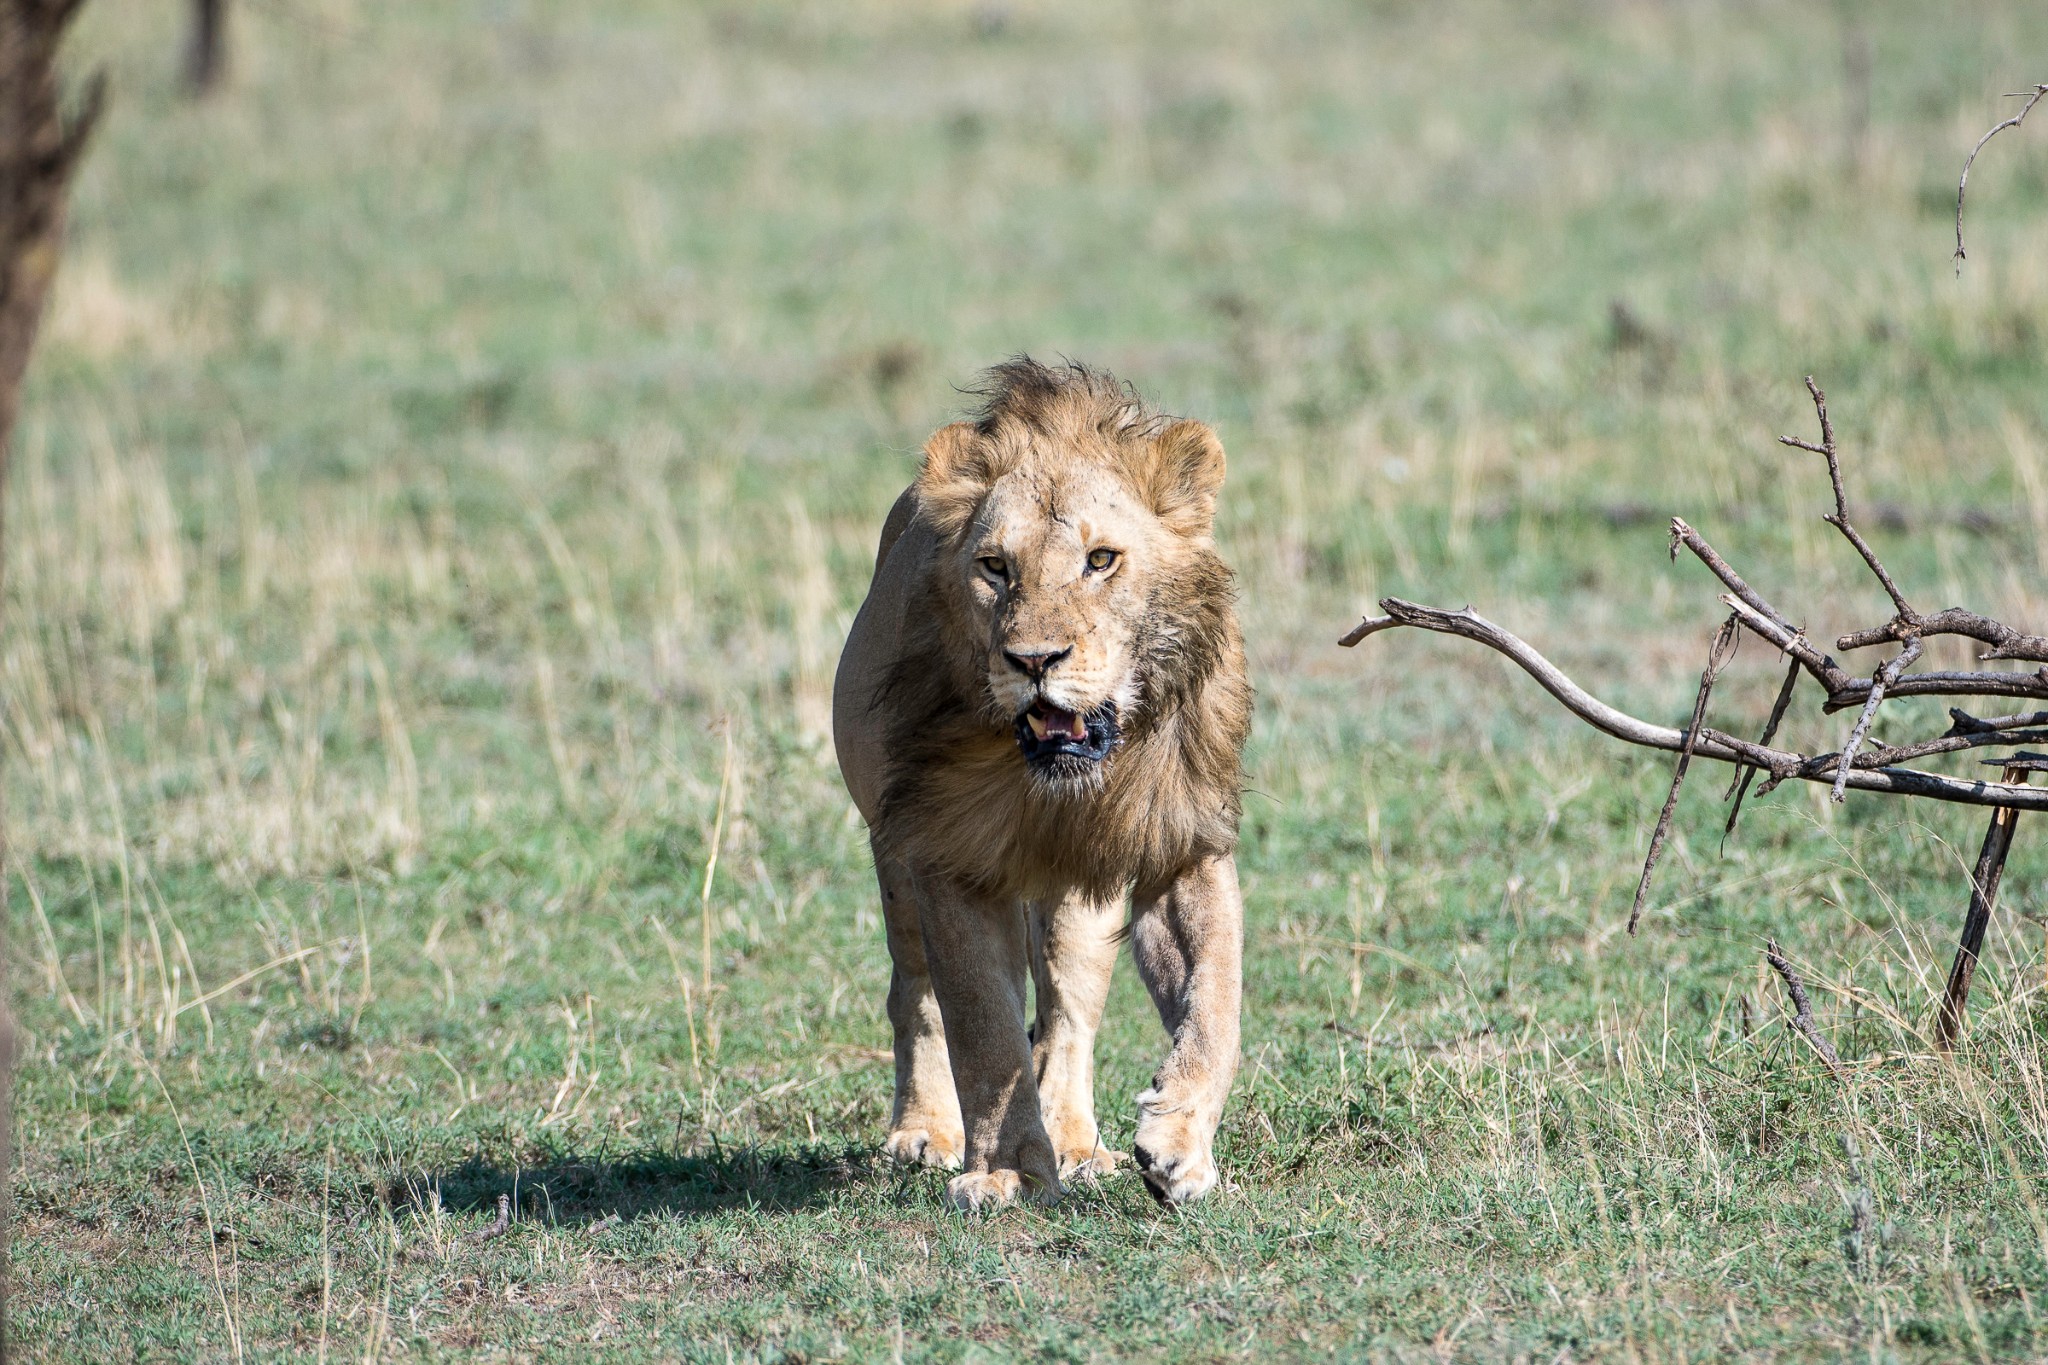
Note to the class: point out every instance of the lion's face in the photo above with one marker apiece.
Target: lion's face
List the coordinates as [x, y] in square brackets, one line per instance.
[1059, 571]
[1056, 567]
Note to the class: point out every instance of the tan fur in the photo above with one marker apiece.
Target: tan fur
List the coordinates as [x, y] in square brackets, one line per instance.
[991, 870]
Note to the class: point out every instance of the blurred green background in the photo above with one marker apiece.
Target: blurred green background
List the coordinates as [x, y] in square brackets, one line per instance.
[456, 451]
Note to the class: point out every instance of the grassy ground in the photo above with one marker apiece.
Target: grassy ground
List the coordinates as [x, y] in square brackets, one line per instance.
[455, 456]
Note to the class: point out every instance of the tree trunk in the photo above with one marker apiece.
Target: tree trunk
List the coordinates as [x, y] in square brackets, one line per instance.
[38, 150]
[206, 54]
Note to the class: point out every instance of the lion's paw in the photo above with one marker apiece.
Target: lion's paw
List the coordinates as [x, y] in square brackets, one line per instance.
[990, 1190]
[924, 1147]
[986, 1191]
[1172, 1152]
[980, 1190]
[1085, 1164]
[1176, 1179]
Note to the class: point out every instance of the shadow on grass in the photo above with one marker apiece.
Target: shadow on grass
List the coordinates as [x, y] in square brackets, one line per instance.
[574, 1189]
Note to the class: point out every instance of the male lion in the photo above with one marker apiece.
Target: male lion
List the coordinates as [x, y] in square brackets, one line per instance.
[1041, 707]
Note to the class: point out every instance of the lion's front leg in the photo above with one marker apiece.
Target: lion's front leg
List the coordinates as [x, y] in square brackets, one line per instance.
[976, 950]
[1188, 938]
[924, 1121]
[1073, 952]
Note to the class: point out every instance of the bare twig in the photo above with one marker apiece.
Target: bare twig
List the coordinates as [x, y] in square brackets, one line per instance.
[1903, 627]
[1963, 723]
[1885, 677]
[1854, 691]
[1839, 518]
[2032, 98]
[1891, 755]
[1683, 534]
[1761, 616]
[1739, 787]
[1718, 655]
[2006, 642]
[2033, 684]
[1371, 625]
[1802, 1009]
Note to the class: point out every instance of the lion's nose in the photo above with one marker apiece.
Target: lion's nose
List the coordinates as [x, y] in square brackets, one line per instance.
[1036, 663]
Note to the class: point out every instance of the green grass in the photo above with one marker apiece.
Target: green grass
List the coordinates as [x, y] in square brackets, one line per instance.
[443, 441]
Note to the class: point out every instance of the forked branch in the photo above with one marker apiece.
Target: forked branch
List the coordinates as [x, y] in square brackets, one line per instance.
[1839, 518]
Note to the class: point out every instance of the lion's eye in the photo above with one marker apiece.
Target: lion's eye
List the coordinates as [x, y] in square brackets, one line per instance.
[995, 566]
[1100, 561]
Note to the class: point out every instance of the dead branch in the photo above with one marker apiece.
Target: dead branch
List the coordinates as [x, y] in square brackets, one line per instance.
[1963, 723]
[1739, 787]
[1984, 880]
[1844, 688]
[1718, 655]
[1891, 755]
[1802, 1009]
[1839, 518]
[1853, 691]
[2032, 98]
[1879, 768]
[1711, 743]
[2033, 684]
[1885, 677]
[1759, 615]
[2006, 642]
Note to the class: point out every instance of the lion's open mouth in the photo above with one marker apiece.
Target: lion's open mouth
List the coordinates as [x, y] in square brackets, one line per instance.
[1053, 739]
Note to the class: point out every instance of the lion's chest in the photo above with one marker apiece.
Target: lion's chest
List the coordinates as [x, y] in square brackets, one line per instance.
[984, 820]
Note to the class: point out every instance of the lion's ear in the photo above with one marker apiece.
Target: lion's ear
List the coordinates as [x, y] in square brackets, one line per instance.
[953, 478]
[1185, 474]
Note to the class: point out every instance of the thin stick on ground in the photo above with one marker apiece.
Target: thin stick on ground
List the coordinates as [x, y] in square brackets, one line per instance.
[2032, 98]
[1802, 1008]
[1718, 655]
[1984, 880]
